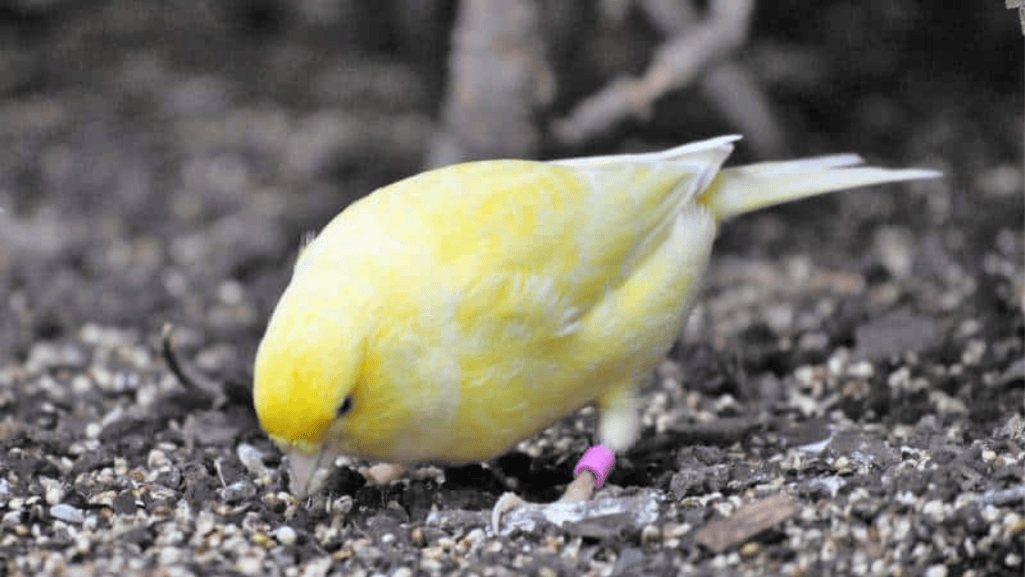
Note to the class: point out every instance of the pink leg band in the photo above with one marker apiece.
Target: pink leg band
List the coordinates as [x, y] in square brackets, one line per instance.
[598, 460]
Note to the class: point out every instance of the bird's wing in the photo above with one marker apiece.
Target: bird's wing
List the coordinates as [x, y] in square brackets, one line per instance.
[570, 230]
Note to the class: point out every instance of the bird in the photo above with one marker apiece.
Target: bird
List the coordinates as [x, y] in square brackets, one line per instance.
[450, 315]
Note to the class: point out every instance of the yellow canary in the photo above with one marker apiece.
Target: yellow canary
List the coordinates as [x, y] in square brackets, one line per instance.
[450, 315]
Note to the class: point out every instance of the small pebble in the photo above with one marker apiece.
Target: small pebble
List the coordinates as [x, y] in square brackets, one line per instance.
[252, 460]
[249, 566]
[53, 491]
[285, 535]
[933, 509]
[237, 492]
[67, 513]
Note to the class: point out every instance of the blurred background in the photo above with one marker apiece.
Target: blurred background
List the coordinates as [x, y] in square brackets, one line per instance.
[160, 161]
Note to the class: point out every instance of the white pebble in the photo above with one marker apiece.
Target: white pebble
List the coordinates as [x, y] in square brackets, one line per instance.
[285, 535]
[933, 509]
[53, 491]
[973, 352]
[862, 369]
[92, 430]
[205, 522]
[990, 513]
[252, 459]
[249, 566]
[157, 460]
[1010, 520]
[67, 513]
[171, 556]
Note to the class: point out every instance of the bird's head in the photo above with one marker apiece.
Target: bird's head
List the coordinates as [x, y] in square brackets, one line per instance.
[306, 384]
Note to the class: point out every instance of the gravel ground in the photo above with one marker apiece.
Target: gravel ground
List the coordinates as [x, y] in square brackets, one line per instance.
[849, 398]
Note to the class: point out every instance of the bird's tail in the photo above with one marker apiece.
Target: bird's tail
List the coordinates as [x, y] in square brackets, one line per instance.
[742, 189]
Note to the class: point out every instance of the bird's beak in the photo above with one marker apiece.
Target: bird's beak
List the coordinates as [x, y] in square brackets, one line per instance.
[302, 469]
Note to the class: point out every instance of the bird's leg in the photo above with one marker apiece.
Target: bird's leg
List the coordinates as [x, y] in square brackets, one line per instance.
[581, 488]
[619, 421]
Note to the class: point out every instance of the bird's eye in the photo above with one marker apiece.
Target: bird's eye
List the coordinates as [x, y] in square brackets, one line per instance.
[345, 407]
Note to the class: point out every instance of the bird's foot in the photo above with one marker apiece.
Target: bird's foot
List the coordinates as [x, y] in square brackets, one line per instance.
[590, 473]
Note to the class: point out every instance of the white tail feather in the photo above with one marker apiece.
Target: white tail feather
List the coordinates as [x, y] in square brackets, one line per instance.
[733, 191]
[748, 188]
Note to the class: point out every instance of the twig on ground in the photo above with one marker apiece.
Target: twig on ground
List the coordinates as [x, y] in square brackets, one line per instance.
[201, 387]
